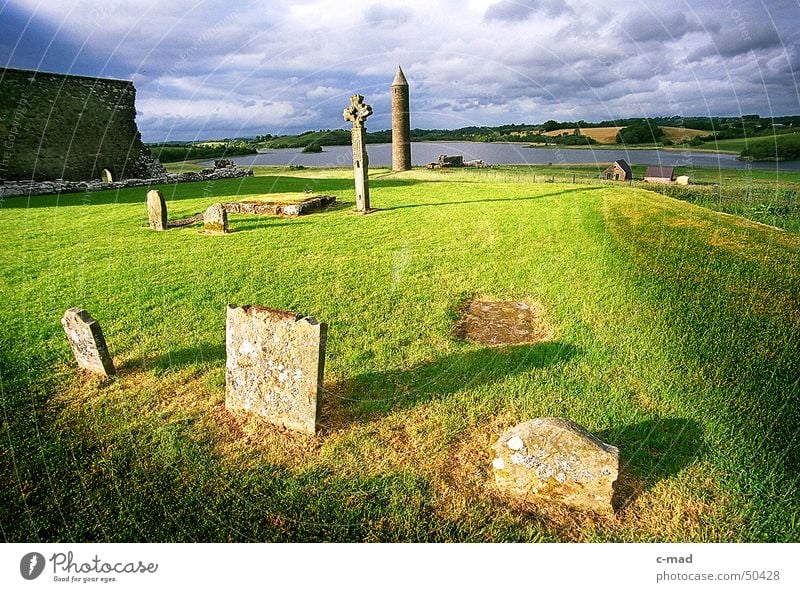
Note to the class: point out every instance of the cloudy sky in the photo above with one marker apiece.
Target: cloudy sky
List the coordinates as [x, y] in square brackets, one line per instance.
[219, 68]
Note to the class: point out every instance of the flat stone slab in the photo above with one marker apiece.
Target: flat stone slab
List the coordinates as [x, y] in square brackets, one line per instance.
[491, 322]
[185, 221]
[551, 459]
[275, 365]
[280, 208]
[87, 341]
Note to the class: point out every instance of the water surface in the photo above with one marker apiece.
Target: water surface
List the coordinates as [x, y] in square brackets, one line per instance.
[380, 155]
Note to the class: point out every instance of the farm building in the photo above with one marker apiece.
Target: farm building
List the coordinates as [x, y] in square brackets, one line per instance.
[658, 174]
[618, 171]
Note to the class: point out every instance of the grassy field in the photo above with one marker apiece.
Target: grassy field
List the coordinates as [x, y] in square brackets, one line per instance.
[676, 337]
[736, 145]
[759, 195]
[608, 135]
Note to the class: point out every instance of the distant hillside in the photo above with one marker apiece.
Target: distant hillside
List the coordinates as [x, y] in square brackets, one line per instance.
[607, 135]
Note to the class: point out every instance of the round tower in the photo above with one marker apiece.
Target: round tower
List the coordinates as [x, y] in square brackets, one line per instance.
[401, 123]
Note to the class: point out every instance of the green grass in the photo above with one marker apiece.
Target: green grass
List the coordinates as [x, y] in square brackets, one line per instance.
[736, 145]
[676, 339]
[767, 197]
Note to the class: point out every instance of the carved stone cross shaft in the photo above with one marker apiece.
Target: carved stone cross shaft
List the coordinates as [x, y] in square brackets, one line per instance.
[357, 112]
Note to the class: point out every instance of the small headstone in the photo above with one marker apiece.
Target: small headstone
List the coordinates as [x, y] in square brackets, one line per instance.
[555, 460]
[156, 210]
[682, 180]
[106, 176]
[87, 341]
[275, 365]
[216, 219]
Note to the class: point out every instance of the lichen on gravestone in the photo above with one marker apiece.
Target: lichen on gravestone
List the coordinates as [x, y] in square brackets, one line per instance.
[88, 344]
[274, 368]
[215, 219]
[551, 459]
[156, 210]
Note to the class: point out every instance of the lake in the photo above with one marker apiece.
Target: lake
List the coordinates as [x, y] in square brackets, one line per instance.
[380, 155]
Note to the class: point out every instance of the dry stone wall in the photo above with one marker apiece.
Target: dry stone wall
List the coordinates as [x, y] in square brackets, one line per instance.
[27, 188]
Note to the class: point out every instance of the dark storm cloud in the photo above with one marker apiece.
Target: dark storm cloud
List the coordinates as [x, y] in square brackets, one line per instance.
[735, 42]
[29, 42]
[520, 10]
[510, 10]
[646, 26]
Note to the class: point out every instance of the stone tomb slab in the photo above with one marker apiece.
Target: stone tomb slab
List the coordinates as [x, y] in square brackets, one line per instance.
[275, 365]
[87, 341]
[501, 322]
[289, 204]
[551, 459]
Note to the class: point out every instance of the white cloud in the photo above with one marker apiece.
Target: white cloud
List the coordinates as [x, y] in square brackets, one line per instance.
[482, 61]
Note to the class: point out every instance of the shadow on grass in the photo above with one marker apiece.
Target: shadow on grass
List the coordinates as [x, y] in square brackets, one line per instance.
[651, 451]
[492, 200]
[375, 393]
[259, 223]
[202, 353]
[211, 190]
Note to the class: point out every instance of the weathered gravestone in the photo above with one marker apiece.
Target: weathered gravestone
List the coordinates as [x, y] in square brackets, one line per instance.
[556, 460]
[215, 219]
[156, 210]
[106, 176]
[357, 112]
[275, 365]
[87, 341]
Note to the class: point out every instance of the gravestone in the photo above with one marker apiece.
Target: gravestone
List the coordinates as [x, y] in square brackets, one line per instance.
[215, 219]
[357, 112]
[275, 362]
[156, 210]
[87, 341]
[106, 176]
[555, 460]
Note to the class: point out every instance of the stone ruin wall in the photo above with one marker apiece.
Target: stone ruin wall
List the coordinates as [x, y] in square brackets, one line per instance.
[58, 126]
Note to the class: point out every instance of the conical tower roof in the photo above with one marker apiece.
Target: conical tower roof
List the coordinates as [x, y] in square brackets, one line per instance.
[400, 78]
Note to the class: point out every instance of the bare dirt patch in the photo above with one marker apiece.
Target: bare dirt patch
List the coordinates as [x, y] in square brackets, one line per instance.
[502, 322]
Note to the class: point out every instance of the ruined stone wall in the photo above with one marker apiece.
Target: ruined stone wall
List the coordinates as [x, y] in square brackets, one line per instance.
[57, 126]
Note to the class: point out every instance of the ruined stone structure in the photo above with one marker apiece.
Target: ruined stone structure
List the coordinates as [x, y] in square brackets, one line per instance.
[87, 342]
[401, 123]
[58, 126]
[357, 112]
[275, 361]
